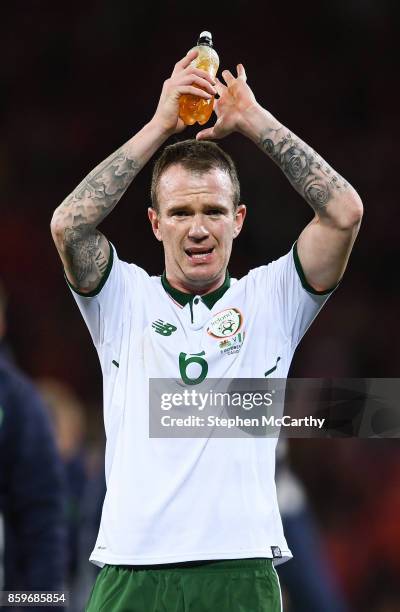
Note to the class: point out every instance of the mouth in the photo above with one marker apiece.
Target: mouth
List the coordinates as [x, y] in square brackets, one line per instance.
[199, 255]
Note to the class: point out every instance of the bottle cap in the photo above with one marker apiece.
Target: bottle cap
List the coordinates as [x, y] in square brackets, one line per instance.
[205, 38]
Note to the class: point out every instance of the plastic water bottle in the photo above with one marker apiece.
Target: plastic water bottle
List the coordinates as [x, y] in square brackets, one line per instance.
[193, 108]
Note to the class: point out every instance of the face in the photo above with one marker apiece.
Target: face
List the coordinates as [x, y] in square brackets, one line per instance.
[196, 223]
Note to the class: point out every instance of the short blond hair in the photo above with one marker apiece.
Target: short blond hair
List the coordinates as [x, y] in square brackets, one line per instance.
[199, 156]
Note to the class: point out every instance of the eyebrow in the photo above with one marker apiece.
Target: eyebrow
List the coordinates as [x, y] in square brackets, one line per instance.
[182, 207]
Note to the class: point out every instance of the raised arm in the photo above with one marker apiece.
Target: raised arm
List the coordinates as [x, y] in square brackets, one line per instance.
[83, 249]
[325, 243]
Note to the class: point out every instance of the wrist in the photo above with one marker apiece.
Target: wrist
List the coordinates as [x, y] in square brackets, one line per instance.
[160, 129]
[255, 120]
[146, 142]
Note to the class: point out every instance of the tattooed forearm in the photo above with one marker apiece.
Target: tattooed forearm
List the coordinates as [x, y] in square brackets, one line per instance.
[83, 249]
[99, 192]
[309, 174]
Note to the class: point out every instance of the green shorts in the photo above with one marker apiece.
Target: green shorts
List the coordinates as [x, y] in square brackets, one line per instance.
[237, 585]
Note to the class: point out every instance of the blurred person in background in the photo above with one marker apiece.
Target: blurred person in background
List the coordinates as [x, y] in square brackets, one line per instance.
[308, 582]
[32, 530]
[85, 485]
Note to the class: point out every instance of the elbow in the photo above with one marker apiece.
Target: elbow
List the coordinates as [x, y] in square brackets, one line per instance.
[57, 227]
[357, 208]
[351, 212]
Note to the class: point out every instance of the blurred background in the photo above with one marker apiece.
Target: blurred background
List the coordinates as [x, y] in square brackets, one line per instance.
[79, 79]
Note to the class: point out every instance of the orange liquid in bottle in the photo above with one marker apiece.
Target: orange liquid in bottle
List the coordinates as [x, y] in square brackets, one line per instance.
[194, 108]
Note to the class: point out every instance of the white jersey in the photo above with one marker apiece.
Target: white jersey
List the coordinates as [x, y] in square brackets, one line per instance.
[173, 500]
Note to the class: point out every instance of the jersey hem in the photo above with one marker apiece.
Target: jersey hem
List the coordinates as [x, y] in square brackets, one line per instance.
[101, 560]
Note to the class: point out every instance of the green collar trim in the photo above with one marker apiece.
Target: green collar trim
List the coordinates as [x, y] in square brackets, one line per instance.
[183, 298]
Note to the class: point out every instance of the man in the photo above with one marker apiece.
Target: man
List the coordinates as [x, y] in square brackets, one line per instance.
[32, 525]
[209, 504]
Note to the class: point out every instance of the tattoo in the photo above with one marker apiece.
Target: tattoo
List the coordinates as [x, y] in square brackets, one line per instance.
[86, 249]
[87, 257]
[101, 261]
[309, 174]
[103, 187]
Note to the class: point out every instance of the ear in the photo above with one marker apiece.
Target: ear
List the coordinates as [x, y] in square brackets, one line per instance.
[155, 223]
[240, 215]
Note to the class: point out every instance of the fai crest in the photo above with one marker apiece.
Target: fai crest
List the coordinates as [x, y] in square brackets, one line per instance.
[225, 323]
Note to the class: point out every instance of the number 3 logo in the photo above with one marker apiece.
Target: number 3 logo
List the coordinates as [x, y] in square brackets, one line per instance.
[184, 361]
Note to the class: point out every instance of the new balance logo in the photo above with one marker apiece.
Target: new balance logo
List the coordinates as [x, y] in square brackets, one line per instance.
[165, 329]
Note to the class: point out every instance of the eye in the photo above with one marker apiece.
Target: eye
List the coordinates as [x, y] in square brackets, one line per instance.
[180, 213]
[214, 211]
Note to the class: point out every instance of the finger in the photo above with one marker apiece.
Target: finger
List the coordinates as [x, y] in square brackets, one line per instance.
[201, 73]
[207, 134]
[212, 133]
[195, 91]
[220, 87]
[228, 77]
[185, 62]
[190, 79]
[241, 72]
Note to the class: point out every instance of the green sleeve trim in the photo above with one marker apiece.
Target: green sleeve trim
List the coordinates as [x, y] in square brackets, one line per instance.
[302, 276]
[102, 281]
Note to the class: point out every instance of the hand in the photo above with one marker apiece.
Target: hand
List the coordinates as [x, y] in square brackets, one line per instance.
[182, 81]
[235, 101]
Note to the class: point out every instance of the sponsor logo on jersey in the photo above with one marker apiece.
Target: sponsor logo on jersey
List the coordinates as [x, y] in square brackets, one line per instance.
[233, 345]
[163, 328]
[224, 344]
[225, 323]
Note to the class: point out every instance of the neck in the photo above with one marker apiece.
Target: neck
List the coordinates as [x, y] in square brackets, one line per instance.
[185, 297]
[196, 287]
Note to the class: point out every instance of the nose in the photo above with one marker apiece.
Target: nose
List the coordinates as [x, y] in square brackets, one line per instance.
[198, 229]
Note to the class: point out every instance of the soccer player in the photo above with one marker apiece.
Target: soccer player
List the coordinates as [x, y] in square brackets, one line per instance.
[193, 524]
